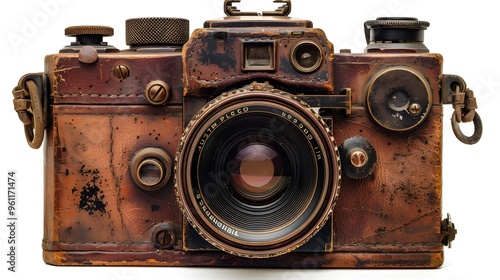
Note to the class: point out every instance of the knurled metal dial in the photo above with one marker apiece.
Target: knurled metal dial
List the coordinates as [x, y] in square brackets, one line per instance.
[397, 22]
[73, 31]
[89, 37]
[157, 31]
[395, 30]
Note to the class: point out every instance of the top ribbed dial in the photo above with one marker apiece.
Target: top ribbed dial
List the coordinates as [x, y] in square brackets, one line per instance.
[395, 30]
[157, 31]
[73, 31]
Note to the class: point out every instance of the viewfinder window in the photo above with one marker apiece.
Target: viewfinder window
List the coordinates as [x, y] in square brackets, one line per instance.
[258, 56]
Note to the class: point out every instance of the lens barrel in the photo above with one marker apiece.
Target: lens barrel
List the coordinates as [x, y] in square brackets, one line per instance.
[257, 173]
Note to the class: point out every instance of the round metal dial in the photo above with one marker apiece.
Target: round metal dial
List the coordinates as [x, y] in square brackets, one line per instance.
[156, 31]
[399, 98]
[358, 157]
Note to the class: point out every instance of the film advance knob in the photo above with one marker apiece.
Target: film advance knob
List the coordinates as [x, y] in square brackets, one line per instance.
[89, 37]
[156, 31]
[358, 157]
[89, 34]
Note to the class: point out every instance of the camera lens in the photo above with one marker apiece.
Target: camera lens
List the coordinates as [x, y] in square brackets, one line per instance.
[258, 176]
[257, 173]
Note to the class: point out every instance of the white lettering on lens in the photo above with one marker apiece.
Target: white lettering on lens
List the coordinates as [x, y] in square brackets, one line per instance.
[214, 125]
[216, 222]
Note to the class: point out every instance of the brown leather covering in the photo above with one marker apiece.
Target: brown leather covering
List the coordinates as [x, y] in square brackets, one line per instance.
[95, 215]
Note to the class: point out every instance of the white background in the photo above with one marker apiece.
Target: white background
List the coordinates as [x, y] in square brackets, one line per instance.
[465, 32]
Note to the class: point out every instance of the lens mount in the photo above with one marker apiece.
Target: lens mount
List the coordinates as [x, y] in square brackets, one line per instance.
[257, 173]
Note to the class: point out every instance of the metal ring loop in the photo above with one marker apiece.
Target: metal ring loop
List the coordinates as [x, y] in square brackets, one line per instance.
[478, 130]
[34, 132]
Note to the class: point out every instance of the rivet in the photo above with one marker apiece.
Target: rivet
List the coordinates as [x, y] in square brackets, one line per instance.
[88, 55]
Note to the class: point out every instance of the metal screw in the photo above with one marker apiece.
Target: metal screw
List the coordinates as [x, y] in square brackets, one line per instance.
[164, 238]
[415, 109]
[358, 158]
[121, 72]
[157, 92]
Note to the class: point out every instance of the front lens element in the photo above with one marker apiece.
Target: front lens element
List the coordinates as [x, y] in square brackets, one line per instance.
[258, 175]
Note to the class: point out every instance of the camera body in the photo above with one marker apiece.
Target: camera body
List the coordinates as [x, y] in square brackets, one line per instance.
[248, 143]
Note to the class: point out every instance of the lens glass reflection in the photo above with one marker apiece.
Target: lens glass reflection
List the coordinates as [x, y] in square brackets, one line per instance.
[258, 173]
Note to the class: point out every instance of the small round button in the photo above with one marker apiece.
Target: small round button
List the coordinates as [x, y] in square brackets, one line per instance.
[358, 157]
[88, 55]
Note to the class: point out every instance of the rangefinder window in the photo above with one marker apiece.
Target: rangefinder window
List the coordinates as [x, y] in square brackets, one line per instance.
[258, 56]
[306, 57]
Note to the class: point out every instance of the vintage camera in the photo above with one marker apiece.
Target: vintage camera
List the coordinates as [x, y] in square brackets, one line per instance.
[248, 143]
